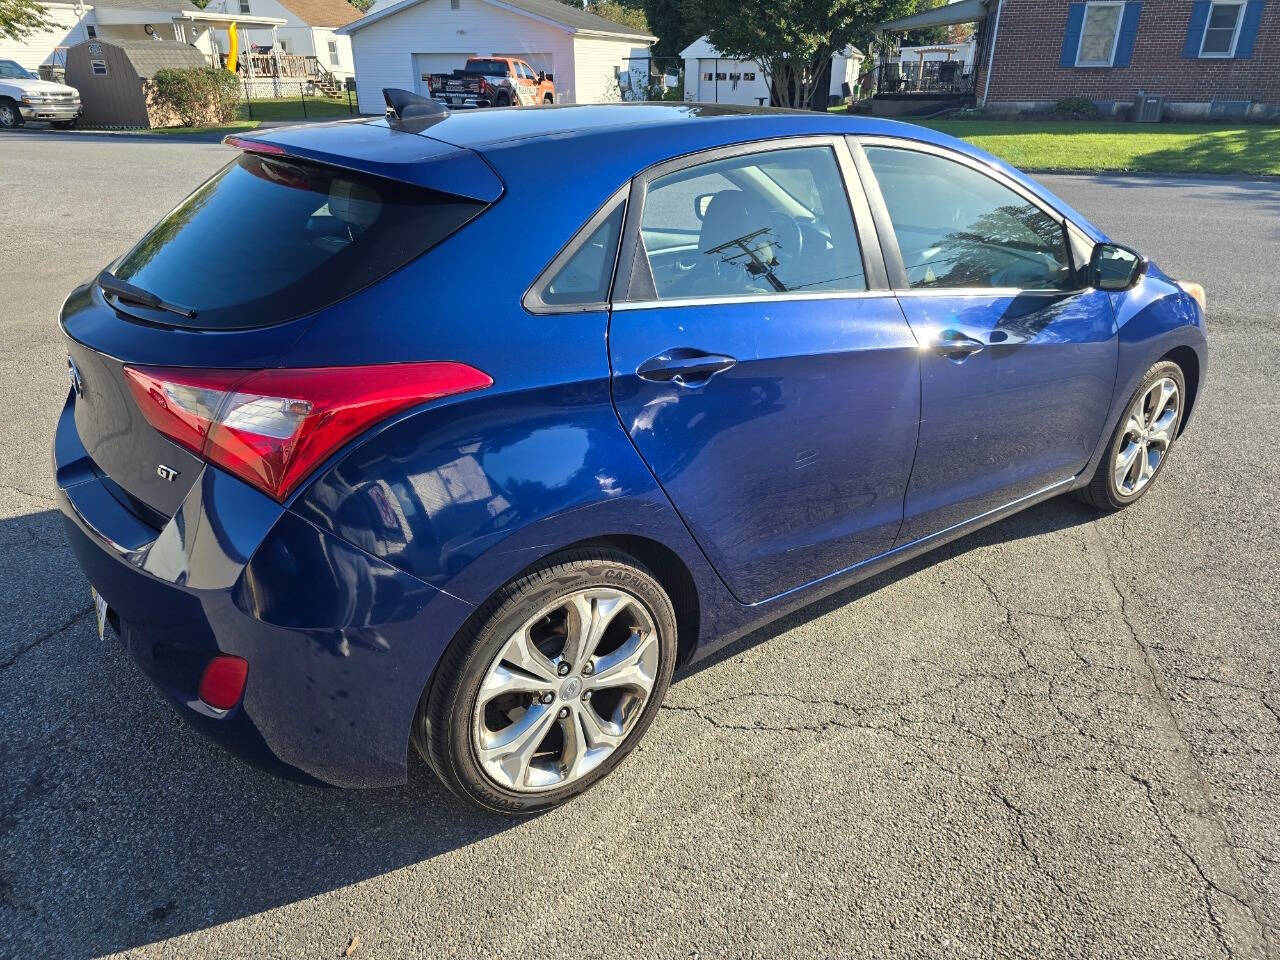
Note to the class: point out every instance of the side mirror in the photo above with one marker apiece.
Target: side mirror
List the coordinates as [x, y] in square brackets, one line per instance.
[700, 204]
[1113, 267]
[549, 78]
[542, 77]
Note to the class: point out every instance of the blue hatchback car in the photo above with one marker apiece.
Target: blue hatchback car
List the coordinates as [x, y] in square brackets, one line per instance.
[503, 415]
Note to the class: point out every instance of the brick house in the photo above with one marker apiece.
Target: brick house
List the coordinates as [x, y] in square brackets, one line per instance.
[1206, 58]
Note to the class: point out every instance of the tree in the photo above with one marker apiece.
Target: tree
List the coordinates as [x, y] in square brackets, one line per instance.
[21, 17]
[676, 24]
[620, 13]
[794, 40]
[361, 5]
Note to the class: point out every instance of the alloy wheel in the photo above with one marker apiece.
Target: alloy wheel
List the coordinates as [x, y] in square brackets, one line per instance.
[1148, 433]
[566, 690]
[9, 116]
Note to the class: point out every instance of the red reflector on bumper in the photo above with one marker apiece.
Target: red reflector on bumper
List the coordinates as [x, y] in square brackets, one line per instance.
[222, 683]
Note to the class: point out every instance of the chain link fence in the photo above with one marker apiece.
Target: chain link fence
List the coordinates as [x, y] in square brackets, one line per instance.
[276, 98]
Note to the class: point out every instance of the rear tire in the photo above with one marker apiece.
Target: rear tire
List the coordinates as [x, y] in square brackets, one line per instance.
[1141, 441]
[551, 684]
[10, 115]
[548, 99]
[504, 100]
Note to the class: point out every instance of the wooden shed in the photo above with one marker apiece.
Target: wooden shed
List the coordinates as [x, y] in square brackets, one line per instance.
[112, 77]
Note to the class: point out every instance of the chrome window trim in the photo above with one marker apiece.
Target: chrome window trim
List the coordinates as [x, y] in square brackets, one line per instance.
[750, 298]
[893, 256]
[631, 249]
[532, 300]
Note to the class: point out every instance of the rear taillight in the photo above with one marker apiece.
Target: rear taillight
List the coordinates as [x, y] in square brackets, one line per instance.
[273, 427]
[484, 87]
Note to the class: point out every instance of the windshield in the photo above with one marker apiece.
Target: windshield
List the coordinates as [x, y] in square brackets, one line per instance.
[15, 71]
[268, 239]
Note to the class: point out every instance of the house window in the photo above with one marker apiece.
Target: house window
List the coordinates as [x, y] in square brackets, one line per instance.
[92, 31]
[1099, 34]
[98, 68]
[333, 53]
[1222, 30]
[244, 6]
[455, 4]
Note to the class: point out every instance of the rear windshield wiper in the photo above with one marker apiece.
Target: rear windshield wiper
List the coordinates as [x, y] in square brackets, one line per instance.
[127, 291]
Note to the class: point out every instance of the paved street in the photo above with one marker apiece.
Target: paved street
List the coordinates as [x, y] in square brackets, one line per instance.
[1059, 737]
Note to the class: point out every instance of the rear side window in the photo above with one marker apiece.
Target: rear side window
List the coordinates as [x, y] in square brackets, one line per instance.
[585, 276]
[759, 225]
[268, 239]
[957, 227]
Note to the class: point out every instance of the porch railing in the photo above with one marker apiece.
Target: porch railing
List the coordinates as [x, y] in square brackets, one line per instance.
[943, 77]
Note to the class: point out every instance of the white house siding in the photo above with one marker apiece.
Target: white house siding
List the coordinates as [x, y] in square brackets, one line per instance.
[384, 50]
[37, 48]
[321, 38]
[596, 63]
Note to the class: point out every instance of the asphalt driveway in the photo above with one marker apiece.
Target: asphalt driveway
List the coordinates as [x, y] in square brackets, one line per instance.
[1057, 737]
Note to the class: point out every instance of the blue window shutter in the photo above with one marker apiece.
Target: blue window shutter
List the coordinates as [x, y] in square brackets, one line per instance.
[1249, 29]
[1128, 33]
[1195, 30]
[1071, 42]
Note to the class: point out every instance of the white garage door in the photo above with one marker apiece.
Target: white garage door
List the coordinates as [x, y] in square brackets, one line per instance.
[425, 64]
[539, 61]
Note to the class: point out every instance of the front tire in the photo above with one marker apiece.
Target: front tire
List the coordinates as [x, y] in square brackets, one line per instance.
[1141, 441]
[552, 683]
[10, 115]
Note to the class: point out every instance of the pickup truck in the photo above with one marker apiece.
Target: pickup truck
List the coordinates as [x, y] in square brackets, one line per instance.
[24, 96]
[492, 82]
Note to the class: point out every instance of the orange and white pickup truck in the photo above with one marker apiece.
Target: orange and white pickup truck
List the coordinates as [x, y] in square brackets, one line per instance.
[492, 82]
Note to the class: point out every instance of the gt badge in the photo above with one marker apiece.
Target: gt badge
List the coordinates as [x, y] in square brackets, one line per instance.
[166, 473]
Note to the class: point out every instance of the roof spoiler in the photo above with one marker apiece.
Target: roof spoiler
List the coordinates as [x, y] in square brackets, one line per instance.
[404, 105]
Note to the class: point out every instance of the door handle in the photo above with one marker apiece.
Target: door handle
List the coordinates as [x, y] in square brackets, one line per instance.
[956, 346]
[684, 366]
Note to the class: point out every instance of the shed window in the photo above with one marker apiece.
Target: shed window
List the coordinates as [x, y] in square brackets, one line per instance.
[1099, 34]
[1222, 30]
[98, 68]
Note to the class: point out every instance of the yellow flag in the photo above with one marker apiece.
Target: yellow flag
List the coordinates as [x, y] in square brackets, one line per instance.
[234, 43]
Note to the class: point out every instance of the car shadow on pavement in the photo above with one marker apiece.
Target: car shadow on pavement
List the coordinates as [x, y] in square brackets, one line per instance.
[120, 826]
[1044, 518]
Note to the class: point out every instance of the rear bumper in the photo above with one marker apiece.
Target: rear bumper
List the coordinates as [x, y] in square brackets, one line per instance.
[340, 644]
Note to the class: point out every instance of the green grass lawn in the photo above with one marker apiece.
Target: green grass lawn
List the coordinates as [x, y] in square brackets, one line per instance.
[1099, 146]
[290, 108]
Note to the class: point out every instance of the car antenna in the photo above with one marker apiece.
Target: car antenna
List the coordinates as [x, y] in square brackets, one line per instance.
[406, 105]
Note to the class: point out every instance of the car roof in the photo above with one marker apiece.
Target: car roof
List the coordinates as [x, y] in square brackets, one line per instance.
[607, 144]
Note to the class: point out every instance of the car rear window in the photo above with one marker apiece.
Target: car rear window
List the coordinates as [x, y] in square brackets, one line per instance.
[268, 239]
[490, 68]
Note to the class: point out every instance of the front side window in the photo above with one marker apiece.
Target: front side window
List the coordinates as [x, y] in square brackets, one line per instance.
[956, 227]
[1098, 34]
[1222, 30]
[763, 224]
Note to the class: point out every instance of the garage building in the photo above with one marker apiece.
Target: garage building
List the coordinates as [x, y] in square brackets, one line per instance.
[403, 43]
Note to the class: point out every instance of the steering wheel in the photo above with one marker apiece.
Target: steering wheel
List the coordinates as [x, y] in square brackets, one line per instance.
[790, 238]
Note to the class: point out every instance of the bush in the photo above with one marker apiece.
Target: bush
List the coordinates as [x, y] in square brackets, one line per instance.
[1076, 108]
[200, 97]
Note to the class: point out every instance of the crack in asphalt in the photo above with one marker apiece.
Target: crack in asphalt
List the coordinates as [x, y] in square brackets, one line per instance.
[1213, 817]
[26, 648]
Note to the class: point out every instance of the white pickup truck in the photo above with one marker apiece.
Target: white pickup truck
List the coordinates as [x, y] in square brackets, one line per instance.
[24, 96]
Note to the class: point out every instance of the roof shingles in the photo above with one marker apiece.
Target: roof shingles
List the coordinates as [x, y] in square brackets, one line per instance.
[322, 13]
